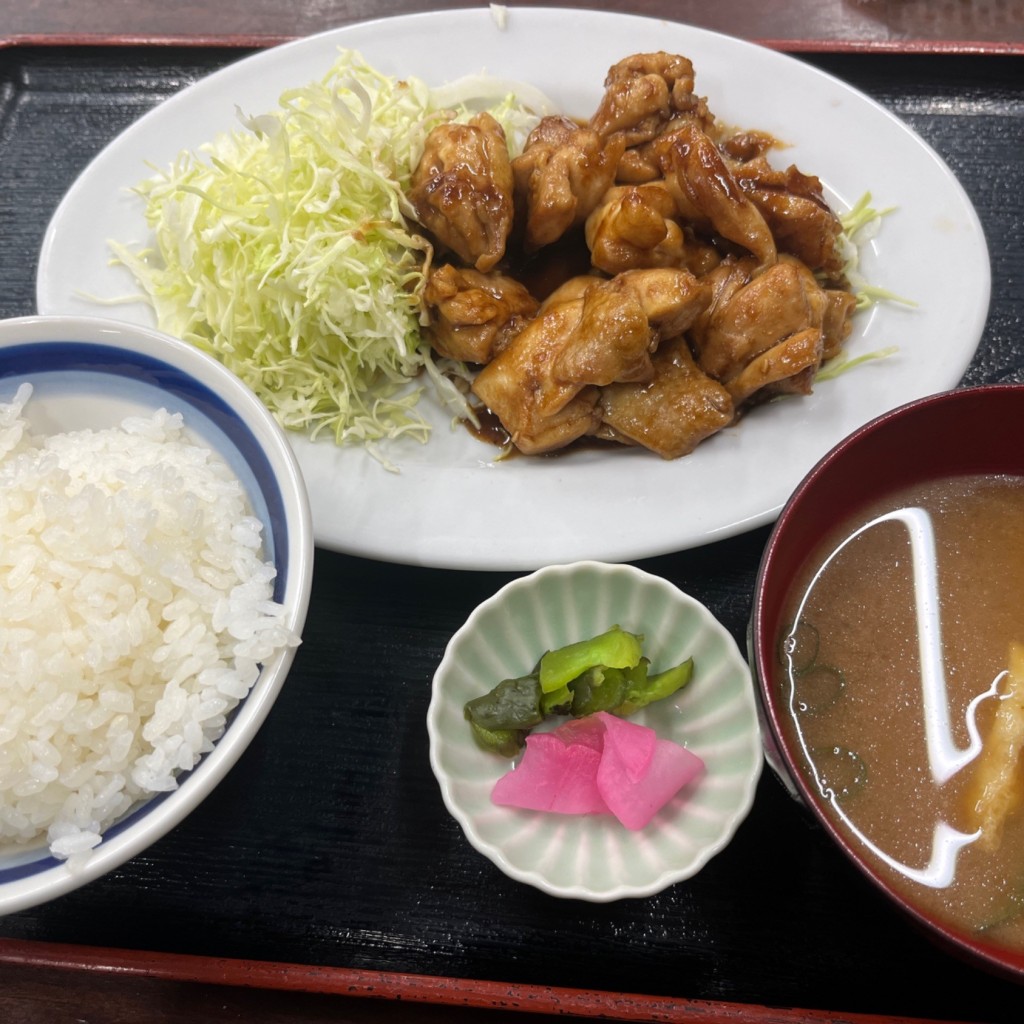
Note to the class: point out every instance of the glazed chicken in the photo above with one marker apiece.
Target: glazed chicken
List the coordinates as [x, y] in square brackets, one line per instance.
[635, 226]
[474, 315]
[674, 412]
[588, 335]
[763, 328]
[573, 346]
[561, 175]
[709, 197]
[794, 208]
[643, 93]
[672, 298]
[647, 98]
[462, 190]
[712, 281]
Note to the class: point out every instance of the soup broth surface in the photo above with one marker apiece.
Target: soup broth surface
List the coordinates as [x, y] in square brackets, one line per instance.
[901, 619]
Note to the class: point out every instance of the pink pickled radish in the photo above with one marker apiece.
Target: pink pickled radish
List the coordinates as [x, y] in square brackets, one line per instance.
[599, 764]
[553, 776]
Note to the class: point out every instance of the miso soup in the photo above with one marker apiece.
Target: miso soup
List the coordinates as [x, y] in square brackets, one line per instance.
[895, 668]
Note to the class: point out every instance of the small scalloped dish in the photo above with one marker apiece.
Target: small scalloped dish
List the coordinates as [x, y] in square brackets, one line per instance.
[594, 857]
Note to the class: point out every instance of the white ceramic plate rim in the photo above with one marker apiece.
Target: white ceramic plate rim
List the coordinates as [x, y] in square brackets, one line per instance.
[664, 873]
[167, 811]
[451, 504]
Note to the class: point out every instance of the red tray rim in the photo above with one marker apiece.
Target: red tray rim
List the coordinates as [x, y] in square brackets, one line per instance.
[243, 41]
[463, 993]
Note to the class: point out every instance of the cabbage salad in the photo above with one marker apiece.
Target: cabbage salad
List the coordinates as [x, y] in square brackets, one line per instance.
[860, 224]
[286, 248]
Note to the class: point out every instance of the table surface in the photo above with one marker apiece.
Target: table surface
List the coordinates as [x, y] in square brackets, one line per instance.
[953, 25]
[324, 878]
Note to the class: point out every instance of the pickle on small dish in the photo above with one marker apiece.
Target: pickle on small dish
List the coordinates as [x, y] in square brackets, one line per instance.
[607, 673]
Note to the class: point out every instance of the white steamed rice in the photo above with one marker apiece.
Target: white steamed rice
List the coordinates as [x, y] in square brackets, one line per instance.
[135, 608]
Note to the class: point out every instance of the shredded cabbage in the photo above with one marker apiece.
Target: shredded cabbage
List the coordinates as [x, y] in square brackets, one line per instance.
[516, 106]
[840, 364]
[859, 225]
[283, 249]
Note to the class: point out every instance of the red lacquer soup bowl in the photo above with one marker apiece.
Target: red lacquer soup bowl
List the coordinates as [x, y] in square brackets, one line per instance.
[969, 438]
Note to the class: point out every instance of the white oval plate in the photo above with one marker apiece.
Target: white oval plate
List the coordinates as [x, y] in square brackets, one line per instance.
[593, 857]
[451, 504]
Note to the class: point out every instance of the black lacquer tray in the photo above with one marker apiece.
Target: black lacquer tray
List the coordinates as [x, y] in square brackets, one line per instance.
[329, 846]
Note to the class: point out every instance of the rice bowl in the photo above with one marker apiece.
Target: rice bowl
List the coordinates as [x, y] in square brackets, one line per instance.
[176, 600]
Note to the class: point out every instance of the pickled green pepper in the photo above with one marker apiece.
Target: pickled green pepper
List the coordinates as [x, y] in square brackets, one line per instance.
[606, 673]
[614, 649]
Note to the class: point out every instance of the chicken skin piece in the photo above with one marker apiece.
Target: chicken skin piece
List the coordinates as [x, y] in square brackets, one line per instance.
[672, 298]
[732, 274]
[747, 145]
[651, 160]
[474, 316]
[544, 386]
[560, 177]
[787, 368]
[643, 92]
[708, 195]
[635, 226]
[750, 316]
[462, 190]
[571, 290]
[794, 207]
[762, 327]
[836, 325]
[673, 413]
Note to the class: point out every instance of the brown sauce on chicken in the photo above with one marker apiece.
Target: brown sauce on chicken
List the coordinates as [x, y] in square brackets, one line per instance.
[546, 270]
[637, 278]
[488, 428]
